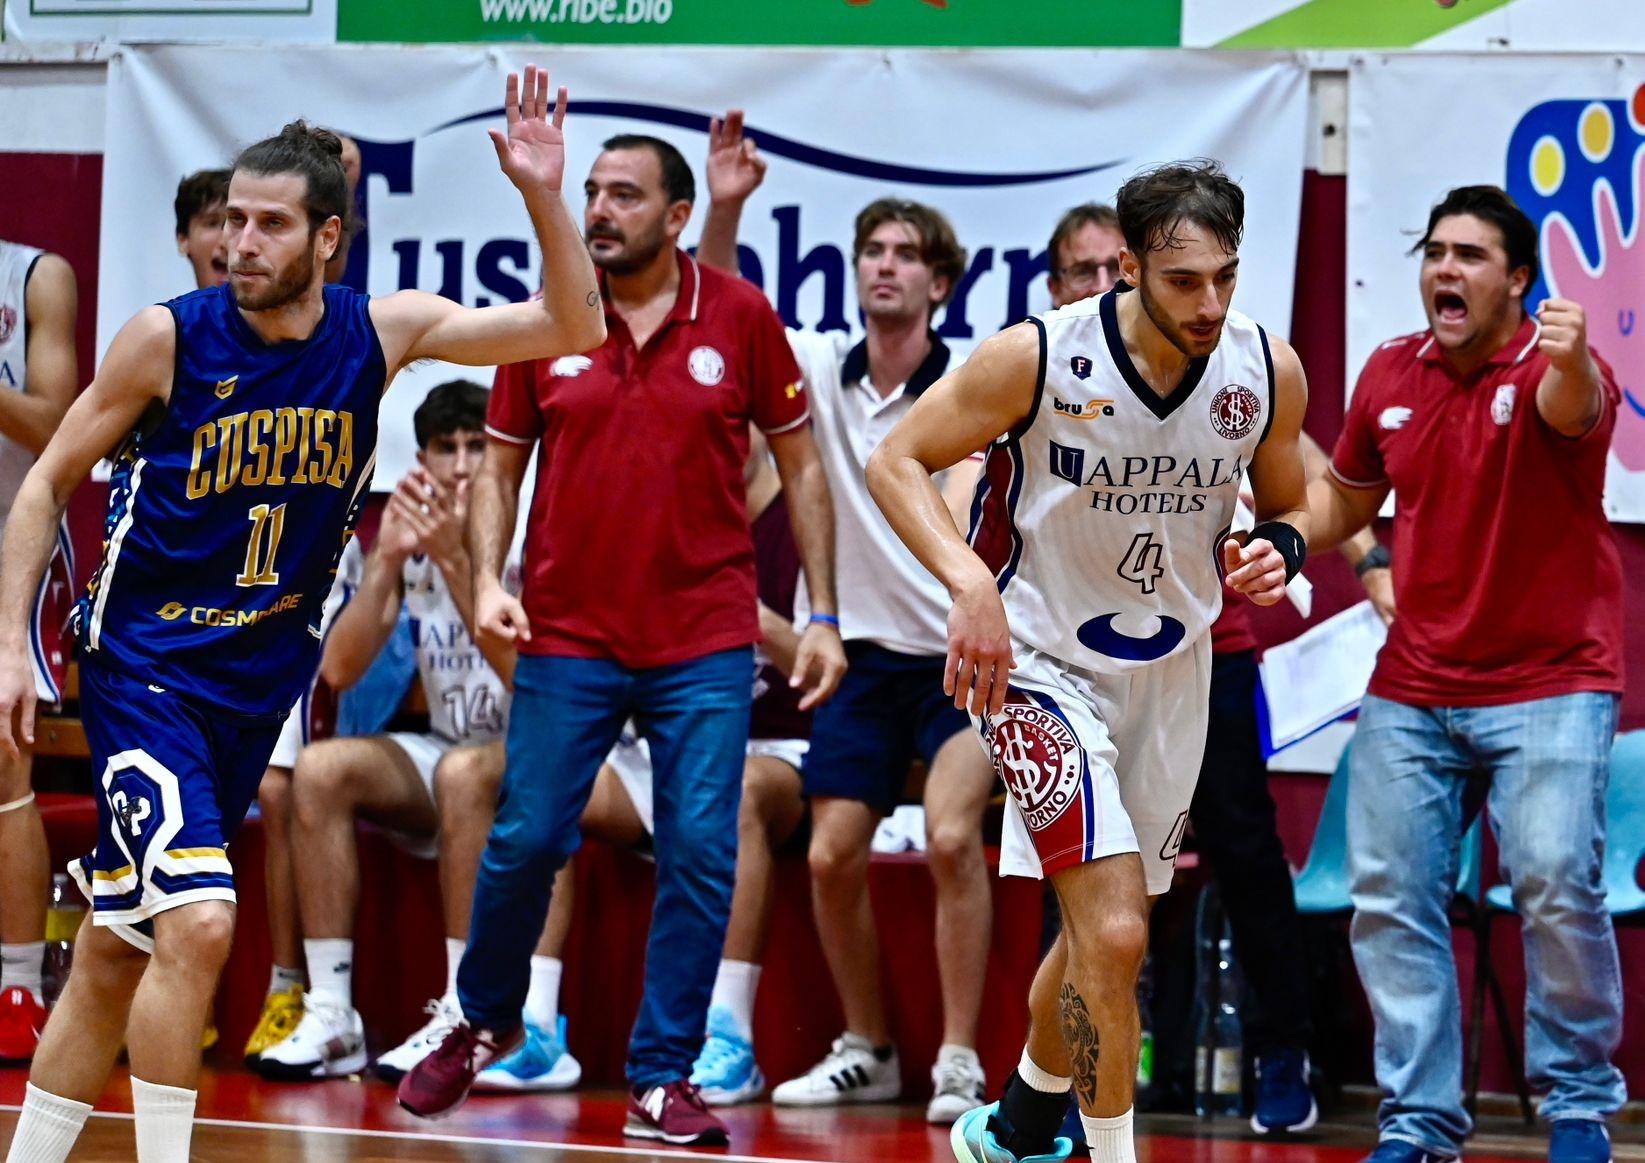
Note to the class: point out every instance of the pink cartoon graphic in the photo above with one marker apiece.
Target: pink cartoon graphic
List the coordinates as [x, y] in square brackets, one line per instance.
[1612, 290]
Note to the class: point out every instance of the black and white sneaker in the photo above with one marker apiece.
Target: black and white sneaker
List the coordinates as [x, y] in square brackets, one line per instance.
[852, 1072]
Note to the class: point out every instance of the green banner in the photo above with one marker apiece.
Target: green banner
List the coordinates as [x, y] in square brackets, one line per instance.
[880, 23]
[1358, 24]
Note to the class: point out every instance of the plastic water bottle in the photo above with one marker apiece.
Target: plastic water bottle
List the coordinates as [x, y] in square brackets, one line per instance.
[1219, 1042]
[1207, 926]
[63, 916]
[1228, 1054]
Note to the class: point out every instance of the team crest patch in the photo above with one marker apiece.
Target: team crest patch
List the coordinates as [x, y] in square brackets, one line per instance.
[1502, 407]
[706, 366]
[1080, 365]
[8, 322]
[1037, 756]
[1235, 411]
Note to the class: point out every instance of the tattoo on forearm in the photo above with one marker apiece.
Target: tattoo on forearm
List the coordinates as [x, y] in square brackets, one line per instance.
[1081, 1035]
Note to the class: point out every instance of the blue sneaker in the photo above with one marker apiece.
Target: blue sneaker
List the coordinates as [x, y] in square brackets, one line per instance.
[725, 1072]
[1579, 1141]
[1402, 1151]
[974, 1142]
[540, 1063]
[1285, 1104]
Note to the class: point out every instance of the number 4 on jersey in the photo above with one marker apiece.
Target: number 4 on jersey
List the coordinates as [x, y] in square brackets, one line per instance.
[1141, 563]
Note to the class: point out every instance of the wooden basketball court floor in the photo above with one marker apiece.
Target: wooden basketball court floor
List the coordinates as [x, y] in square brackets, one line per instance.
[242, 1119]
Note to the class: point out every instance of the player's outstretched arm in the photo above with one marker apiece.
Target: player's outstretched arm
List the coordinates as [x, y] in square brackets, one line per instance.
[569, 317]
[962, 413]
[30, 417]
[135, 373]
[1278, 545]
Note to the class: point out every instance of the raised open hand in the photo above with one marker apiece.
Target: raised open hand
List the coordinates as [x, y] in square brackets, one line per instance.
[532, 152]
[735, 167]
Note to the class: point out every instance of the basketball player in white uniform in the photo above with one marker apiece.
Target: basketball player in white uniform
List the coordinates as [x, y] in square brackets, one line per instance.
[38, 380]
[1118, 431]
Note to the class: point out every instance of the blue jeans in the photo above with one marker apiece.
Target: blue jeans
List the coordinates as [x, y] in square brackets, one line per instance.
[566, 714]
[1543, 766]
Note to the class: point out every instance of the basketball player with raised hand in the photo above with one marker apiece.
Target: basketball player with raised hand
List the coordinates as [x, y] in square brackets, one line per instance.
[1118, 433]
[243, 423]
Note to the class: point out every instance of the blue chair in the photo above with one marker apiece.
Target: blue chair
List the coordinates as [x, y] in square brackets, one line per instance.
[1624, 832]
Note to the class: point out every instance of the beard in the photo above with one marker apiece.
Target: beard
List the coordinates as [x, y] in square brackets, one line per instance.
[634, 254]
[1173, 332]
[284, 287]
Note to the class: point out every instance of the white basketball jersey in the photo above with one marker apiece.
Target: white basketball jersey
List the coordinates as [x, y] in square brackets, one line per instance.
[1102, 515]
[467, 702]
[16, 261]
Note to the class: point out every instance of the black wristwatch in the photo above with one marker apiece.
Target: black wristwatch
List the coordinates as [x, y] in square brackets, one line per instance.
[1377, 558]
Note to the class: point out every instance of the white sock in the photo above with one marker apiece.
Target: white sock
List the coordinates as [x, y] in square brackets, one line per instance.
[734, 988]
[47, 1127]
[455, 948]
[330, 969]
[21, 966]
[165, 1121]
[542, 1000]
[281, 979]
[1042, 1080]
[1110, 1140]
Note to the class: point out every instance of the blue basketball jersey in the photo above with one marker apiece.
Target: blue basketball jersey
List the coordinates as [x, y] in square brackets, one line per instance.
[229, 507]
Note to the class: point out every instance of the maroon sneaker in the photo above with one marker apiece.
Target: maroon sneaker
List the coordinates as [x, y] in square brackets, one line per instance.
[438, 1084]
[674, 1113]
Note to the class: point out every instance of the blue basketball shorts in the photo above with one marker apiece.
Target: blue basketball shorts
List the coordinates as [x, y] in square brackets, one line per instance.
[174, 778]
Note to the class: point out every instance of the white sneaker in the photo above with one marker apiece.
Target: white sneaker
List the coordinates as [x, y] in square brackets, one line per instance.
[397, 1063]
[958, 1085]
[329, 1042]
[850, 1073]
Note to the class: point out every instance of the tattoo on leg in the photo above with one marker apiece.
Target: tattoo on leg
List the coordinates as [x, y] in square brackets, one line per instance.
[1081, 1035]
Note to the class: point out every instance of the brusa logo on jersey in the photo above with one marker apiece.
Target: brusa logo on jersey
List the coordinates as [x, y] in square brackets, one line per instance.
[1087, 411]
[1235, 411]
[8, 322]
[1037, 756]
[1502, 407]
[1080, 365]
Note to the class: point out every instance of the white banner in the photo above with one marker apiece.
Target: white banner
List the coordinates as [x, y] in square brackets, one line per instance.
[1002, 142]
[1565, 135]
[171, 20]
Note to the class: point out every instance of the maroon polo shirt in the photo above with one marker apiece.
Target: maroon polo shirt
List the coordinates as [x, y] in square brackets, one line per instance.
[638, 546]
[1506, 574]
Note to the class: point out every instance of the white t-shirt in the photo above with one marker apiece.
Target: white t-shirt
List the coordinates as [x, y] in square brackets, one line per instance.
[886, 596]
[16, 261]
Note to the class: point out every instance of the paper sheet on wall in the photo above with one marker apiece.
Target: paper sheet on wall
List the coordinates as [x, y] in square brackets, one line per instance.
[1321, 675]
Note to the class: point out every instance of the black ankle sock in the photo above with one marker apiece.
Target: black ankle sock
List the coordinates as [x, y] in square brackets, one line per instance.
[1028, 1118]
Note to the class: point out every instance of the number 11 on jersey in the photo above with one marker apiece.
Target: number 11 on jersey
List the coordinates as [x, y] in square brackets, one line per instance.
[266, 525]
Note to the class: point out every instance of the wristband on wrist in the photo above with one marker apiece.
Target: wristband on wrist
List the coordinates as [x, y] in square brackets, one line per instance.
[1377, 557]
[1287, 540]
[824, 620]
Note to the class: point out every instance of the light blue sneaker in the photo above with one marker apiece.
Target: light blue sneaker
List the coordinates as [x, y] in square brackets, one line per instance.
[974, 1142]
[725, 1071]
[541, 1063]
